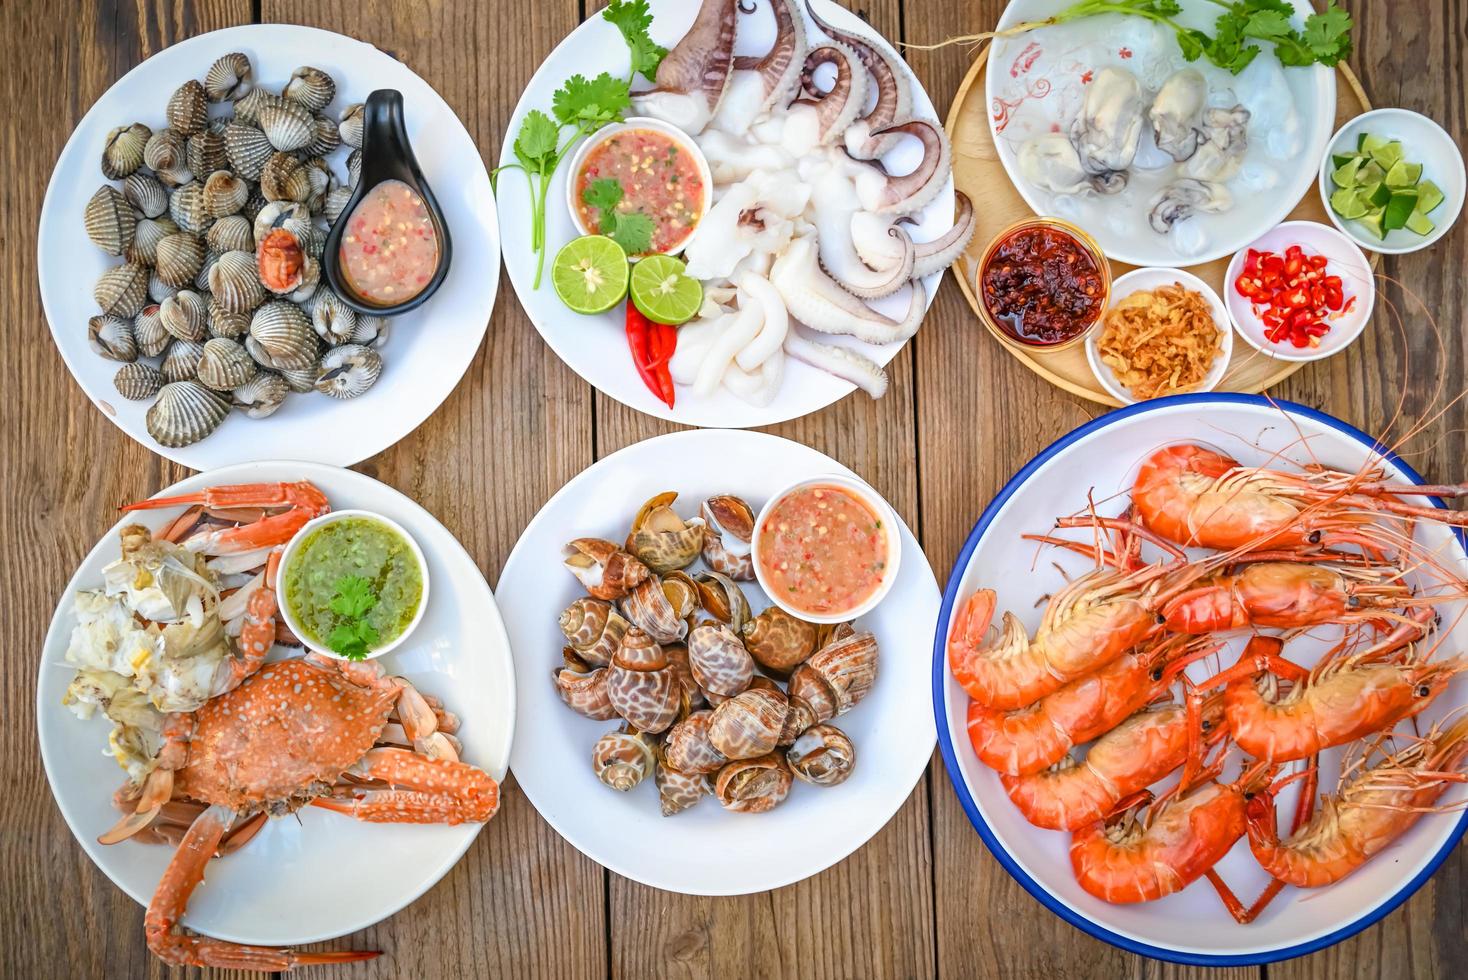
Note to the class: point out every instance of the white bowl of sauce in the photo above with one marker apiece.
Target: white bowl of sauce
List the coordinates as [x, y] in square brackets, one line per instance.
[826, 550]
[352, 584]
[660, 171]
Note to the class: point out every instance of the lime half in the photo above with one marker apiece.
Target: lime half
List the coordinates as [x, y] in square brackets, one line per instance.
[590, 274]
[663, 292]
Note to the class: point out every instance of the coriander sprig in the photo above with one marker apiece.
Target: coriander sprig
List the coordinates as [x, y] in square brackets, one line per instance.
[632, 230]
[353, 637]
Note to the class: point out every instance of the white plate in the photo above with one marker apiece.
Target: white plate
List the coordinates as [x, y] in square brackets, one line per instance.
[1424, 142]
[316, 875]
[595, 347]
[707, 850]
[1035, 82]
[430, 348]
[1191, 926]
[1141, 279]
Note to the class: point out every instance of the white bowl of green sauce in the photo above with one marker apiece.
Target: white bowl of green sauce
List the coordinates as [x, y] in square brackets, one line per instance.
[352, 584]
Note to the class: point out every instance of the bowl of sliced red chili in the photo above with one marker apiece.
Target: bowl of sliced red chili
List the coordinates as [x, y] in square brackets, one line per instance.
[1302, 292]
[1044, 284]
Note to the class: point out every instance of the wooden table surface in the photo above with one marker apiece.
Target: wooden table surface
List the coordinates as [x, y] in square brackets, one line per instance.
[923, 897]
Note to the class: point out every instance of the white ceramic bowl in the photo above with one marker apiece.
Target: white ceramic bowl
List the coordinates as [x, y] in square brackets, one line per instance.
[1142, 279]
[637, 122]
[885, 516]
[1345, 260]
[292, 552]
[1424, 142]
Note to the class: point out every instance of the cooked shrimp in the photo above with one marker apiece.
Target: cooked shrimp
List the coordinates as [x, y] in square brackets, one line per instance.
[1287, 595]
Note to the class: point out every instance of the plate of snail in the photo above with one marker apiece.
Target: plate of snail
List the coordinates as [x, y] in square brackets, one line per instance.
[673, 724]
[182, 237]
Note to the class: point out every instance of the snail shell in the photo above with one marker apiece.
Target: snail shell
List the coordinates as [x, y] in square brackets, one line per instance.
[749, 723]
[798, 719]
[687, 746]
[247, 148]
[224, 365]
[284, 178]
[719, 661]
[838, 675]
[721, 597]
[622, 759]
[137, 381]
[247, 108]
[205, 152]
[310, 88]
[185, 315]
[324, 137]
[350, 127]
[692, 694]
[728, 537]
[641, 685]
[188, 108]
[187, 208]
[334, 321]
[122, 290]
[146, 193]
[678, 790]
[122, 154]
[651, 609]
[110, 220]
[663, 540]
[224, 194]
[234, 282]
[228, 78]
[149, 232]
[112, 337]
[754, 785]
[261, 395]
[594, 629]
[603, 569]
[149, 332]
[287, 126]
[181, 360]
[284, 335]
[583, 688]
[180, 256]
[778, 641]
[231, 233]
[348, 371]
[184, 413]
[822, 756]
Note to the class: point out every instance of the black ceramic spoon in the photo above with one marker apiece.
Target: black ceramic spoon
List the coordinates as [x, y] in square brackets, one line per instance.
[386, 155]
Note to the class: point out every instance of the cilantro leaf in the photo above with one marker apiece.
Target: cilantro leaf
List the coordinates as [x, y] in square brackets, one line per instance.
[600, 100]
[604, 195]
[354, 597]
[633, 19]
[353, 640]
[1268, 24]
[1328, 34]
[537, 140]
[632, 231]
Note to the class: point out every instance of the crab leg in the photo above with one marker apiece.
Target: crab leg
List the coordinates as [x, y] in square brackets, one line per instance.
[178, 729]
[424, 790]
[174, 944]
[303, 499]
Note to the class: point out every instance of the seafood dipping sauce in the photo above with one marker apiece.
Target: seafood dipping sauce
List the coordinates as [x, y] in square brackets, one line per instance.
[660, 177]
[352, 546]
[390, 248]
[822, 549]
[1043, 285]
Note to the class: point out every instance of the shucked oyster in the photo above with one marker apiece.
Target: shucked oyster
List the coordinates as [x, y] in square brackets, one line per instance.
[1109, 128]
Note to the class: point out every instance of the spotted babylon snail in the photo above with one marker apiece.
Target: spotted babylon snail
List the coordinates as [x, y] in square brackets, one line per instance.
[778, 641]
[687, 746]
[721, 597]
[719, 662]
[678, 660]
[677, 789]
[823, 755]
[660, 606]
[754, 785]
[603, 569]
[594, 629]
[641, 684]
[837, 676]
[664, 541]
[623, 758]
[583, 687]
[749, 724]
[728, 538]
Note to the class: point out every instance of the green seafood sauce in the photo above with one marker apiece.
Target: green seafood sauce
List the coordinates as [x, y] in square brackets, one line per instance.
[357, 547]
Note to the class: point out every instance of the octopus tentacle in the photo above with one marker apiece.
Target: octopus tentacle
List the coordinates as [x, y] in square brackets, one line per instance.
[913, 191]
[694, 75]
[835, 206]
[894, 98]
[873, 243]
[817, 301]
[838, 108]
[845, 364]
[780, 68]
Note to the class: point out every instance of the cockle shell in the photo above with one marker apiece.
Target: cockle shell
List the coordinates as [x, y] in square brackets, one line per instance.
[348, 371]
[225, 193]
[122, 154]
[290, 215]
[211, 257]
[606, 571]
[838, 675]
[301, 380]
[149, 232]
[334, 321]
[309, 279]
[778, 641]
[247, 148]
[650, 608]
[721, 597]
[335, 203]
[179, 258]
[622, 759]
[288, 126]
[224, 365]
[261, 395]
[822, 756]
[320, 180]
[228, 78]
[310, 88]
[205, 152]
[137, 381]
[247, 108]
[112, 337]
[181, 360]
[158, 290]
[185, 315]
[187, 208]
[583, 688]
[748, 724]
[166, 149]
[678, 790]
[324, 139]
[728, 537]
[372, 330]
[174, 177]
[688, 748]
[354, 167]
[753, 785]
[284, 178]
[188, 108]
[719, 662]
[225, 323]
[184, 413]
[594, 629]
[144, 192]
[235, 282]
[110, 220]
[231, 233]
[122, 289]
[662, 539]
[350, 127]
[148, 330]
[284, 334]
[641, 685]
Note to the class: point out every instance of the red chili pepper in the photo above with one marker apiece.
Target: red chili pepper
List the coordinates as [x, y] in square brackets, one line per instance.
[639, 341]
[1292, 295]
[664, 341]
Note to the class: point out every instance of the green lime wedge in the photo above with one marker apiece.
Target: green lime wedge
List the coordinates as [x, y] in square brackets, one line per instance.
[1367, 143]
[1370, 172]
[1420, 224]
[1388, 154]
[1345, 175]
[1373, 222]
[1338, 160]
[663, 292]
[590, 274]
[1347, 203]
[1376, 195]
[1399, 209]
[1429, 196]
[1403, 174]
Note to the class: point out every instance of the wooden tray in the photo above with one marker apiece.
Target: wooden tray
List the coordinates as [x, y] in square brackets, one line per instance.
[978, 172]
